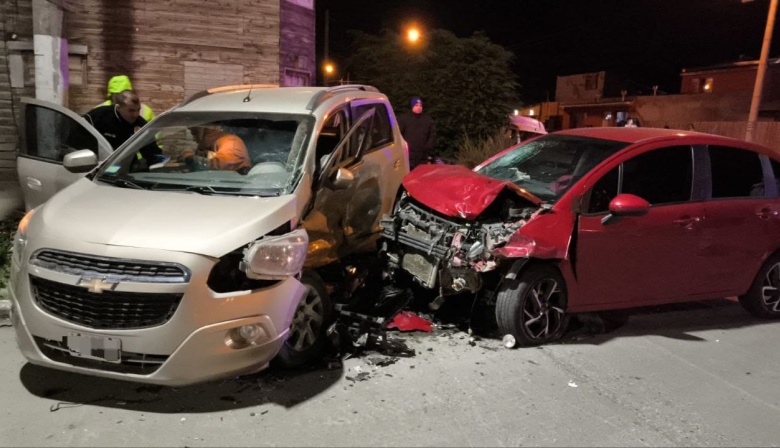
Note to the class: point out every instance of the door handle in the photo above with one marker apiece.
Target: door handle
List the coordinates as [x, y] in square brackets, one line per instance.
[34, 184]
[686, 222]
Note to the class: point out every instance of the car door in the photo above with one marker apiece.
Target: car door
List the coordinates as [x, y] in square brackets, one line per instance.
[742, 218]
[641, 259]
[50, 132]
[346, 185]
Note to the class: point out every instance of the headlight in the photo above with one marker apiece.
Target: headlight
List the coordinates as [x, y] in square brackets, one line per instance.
[276, 257]
[20, 239]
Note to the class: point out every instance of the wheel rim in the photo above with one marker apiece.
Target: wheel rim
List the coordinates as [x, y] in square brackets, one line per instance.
[307, 323]
[770, 292]
[543, 313]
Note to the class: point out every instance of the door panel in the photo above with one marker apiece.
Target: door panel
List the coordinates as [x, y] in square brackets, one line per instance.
[50, 132]
[638, 259]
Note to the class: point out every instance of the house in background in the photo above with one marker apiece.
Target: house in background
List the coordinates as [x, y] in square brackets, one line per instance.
[713, 99]
[169, 48]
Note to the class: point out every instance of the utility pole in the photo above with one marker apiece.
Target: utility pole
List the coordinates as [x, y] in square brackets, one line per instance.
[51, 50]
[759, 86]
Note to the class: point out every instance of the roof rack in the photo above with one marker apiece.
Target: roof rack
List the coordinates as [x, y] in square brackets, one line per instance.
[330, 92]
[207, 92]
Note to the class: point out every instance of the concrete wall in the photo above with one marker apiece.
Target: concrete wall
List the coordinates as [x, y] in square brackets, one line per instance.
[698, 107]
[581, 87]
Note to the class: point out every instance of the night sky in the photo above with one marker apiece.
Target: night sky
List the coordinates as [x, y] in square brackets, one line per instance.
[644, 42]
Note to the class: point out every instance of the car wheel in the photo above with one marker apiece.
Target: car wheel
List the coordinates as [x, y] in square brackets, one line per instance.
[532, 307]
[307, 338]
[763, 297]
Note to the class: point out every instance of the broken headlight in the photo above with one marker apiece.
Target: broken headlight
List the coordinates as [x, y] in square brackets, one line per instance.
[20, 239]
[276, 257]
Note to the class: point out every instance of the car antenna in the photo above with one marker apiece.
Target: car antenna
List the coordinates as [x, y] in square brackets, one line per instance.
[247, 98]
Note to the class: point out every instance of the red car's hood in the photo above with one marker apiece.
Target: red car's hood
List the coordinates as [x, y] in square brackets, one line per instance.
[456, 191]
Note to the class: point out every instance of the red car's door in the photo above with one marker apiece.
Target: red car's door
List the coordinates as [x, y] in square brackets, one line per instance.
[742, 219]
[641, 259]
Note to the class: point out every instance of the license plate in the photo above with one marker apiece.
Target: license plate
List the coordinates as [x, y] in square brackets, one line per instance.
[95, 347]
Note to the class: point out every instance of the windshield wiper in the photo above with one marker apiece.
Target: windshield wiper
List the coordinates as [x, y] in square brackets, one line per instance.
[203, 190]
[123, 183]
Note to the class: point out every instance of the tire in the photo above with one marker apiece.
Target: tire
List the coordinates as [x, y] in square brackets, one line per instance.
[307, 339]
[763, 297]
[532, 307]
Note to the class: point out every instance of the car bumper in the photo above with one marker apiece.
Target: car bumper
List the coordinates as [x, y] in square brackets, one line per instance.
[193, 346]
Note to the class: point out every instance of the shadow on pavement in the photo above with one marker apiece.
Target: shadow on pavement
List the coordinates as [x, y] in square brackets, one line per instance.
[282, 387]
[675, 321]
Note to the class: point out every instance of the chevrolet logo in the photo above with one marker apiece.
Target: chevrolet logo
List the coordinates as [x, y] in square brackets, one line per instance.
[97, 285]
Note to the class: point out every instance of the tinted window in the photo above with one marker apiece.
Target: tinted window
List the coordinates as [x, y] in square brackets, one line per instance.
[52, 135]
[604, 191]
[381, 132]
[735, 173]
[660, 176]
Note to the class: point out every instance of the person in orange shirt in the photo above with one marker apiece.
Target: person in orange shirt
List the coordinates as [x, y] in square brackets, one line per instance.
[223, 151]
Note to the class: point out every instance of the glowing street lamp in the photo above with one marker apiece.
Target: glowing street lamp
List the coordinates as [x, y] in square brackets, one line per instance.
[328, 70]
[413, 34]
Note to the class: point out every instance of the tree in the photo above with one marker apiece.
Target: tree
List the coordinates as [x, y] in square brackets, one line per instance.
[467, 84]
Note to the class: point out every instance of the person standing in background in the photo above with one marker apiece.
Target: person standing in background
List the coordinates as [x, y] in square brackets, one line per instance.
[419, 131]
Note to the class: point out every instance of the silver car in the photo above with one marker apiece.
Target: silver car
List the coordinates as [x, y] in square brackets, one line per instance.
[164, 266]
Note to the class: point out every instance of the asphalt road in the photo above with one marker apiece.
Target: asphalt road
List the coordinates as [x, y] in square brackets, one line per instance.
[705, 374]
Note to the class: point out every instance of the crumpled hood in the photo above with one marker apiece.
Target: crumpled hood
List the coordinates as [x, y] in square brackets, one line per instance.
[185, 222]
[457, 191]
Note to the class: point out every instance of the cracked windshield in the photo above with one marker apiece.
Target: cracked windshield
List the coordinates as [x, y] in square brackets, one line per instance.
[214, 153]
[548, 166]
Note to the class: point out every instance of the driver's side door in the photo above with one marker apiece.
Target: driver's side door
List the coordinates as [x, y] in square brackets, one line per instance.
[344, 184]
[49, 133]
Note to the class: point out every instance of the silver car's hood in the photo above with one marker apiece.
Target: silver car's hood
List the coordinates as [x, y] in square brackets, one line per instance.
[186, 222]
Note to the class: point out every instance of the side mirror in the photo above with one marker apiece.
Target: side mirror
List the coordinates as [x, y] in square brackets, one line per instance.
[342, 179]
[625, 205]
[628, 204]
[81, 161]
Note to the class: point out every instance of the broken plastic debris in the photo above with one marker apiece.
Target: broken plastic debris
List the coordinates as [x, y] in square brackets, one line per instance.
[358, 369]
[572, 383]
[408, 321]
[509, 341]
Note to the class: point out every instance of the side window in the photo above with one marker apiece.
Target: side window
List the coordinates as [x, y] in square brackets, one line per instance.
[660, 176]
[736, 173]
[381, 132]
[775, 170]
[604, 191]
[51, 135]
[330, 135]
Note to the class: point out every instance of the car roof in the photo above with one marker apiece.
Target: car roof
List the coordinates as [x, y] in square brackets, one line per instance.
[650, 135]
[266, 98]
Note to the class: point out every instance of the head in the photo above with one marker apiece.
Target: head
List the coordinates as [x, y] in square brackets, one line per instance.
[417, 105]
[128, 106]
[206, 135]
[117, 85]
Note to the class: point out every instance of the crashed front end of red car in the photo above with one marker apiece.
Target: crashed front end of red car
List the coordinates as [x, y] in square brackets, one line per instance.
[453, 224]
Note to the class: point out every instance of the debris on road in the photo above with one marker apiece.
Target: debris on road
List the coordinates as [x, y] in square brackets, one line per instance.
[408, 321]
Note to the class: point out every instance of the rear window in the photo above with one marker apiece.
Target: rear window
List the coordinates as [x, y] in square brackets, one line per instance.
[735, 173]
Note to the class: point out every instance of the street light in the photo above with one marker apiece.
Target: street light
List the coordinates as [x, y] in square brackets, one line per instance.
[328, 69]
[756, 101]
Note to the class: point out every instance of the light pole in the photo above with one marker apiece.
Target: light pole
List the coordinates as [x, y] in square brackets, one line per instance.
[756, 101]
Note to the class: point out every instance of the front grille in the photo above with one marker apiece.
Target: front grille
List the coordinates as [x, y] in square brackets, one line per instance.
[135, 363]
[106, 310]
[118, 269]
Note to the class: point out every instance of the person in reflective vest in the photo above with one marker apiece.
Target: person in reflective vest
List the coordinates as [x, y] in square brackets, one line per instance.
[119, 84]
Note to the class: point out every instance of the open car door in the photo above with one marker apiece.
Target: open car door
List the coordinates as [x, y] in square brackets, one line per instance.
[348, 199]
[50, 132]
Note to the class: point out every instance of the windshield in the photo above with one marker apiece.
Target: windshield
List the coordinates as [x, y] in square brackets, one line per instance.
[255, 154]
[548, 166]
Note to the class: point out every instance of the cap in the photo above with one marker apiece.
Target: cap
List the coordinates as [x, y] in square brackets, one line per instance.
[119, 84]
[416, 100]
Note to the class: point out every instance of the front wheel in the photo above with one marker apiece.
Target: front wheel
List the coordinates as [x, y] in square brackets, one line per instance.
[532, 307]
[307, 339]
[763, 297]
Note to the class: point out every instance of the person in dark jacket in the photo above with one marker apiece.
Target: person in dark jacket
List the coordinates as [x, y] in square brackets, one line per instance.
[118, 122]
[419, 131]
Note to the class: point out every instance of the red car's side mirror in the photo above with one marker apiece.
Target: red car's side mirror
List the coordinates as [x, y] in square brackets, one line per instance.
[628, 204]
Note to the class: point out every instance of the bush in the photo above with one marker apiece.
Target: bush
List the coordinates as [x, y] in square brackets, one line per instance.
[472, 152]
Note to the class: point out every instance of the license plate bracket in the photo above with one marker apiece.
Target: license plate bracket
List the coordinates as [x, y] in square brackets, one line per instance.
[95, 347]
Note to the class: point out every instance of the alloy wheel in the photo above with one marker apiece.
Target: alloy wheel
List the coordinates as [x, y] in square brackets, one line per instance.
[307, 323]
[542, 314]
[770, 291]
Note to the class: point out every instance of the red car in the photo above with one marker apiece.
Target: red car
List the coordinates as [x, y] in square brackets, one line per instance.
[594, 219]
